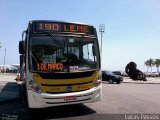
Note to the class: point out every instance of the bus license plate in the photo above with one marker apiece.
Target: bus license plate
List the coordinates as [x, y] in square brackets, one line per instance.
[70, 98]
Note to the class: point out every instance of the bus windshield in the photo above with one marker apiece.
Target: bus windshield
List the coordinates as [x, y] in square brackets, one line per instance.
[62, 54]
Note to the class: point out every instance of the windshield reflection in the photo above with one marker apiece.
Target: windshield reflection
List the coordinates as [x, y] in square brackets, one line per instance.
[69, 54]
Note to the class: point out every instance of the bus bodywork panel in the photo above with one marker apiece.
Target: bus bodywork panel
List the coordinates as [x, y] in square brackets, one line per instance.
[66, 85]
[44, 100]
[55, 92]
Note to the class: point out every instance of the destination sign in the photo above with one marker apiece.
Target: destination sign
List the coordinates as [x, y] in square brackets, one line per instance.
[62, 27]
[50, 66]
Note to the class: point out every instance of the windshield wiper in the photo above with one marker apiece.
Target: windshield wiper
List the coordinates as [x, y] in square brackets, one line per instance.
[33, 57]
[57, 41]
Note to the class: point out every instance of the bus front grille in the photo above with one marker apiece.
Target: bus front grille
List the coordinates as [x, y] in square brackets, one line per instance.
[66, 91]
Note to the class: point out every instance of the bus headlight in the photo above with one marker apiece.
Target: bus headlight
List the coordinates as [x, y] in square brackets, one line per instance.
[97, 83]
[34, 86]
[99, 80]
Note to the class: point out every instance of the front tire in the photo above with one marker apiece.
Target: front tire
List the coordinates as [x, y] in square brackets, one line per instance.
[110, 81]
[118, 82]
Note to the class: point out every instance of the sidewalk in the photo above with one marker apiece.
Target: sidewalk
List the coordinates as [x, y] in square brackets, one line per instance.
[150, 80]
[9, 90]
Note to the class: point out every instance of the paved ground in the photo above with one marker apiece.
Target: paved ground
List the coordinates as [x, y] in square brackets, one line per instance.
[150, 80]
[119, 102]
[9, 90]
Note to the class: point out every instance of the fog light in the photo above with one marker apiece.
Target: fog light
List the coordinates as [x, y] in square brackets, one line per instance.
[34, 86]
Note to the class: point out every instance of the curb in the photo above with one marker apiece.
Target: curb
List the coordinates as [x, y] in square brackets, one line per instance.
[149, 81]
[139, 83]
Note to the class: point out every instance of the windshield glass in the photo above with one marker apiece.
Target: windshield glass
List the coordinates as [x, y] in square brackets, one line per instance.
[62, 54]
[109, 73]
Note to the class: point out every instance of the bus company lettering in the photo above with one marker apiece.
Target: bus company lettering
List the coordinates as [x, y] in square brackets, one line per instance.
[50, 66]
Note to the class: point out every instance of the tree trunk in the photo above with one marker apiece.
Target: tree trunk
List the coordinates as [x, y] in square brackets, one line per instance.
[151, 69]
[158, 69]
[147, 68]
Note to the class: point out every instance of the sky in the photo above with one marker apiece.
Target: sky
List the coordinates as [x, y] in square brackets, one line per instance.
[132, 27]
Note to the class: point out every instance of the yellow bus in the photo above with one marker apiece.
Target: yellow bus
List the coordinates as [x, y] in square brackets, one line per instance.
[60, 63]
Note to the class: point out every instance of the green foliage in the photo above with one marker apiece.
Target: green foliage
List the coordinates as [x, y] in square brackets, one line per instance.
[157, 64]
[150, 63]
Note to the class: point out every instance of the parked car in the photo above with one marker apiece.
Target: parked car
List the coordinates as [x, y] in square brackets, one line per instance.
[117, 73]
[111, 78]
[124, 74]
[121, 73]
[152, 74]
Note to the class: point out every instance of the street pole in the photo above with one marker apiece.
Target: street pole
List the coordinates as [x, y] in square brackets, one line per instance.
[4, 59]
[101, 41]
[101, 30]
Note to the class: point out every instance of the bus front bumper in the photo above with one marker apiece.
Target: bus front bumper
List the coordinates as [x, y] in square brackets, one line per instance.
[43, 100]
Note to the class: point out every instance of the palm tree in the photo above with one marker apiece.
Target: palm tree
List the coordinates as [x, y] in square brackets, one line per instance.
[149, 63]
[157, 64]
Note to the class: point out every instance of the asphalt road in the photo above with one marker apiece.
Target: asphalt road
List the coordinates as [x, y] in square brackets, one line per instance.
[9, 90]
[118, 103]
[129, 98]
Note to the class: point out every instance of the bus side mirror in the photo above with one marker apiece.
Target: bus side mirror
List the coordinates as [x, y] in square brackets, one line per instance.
[93, 50]
[21, 47]
[22, 60]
